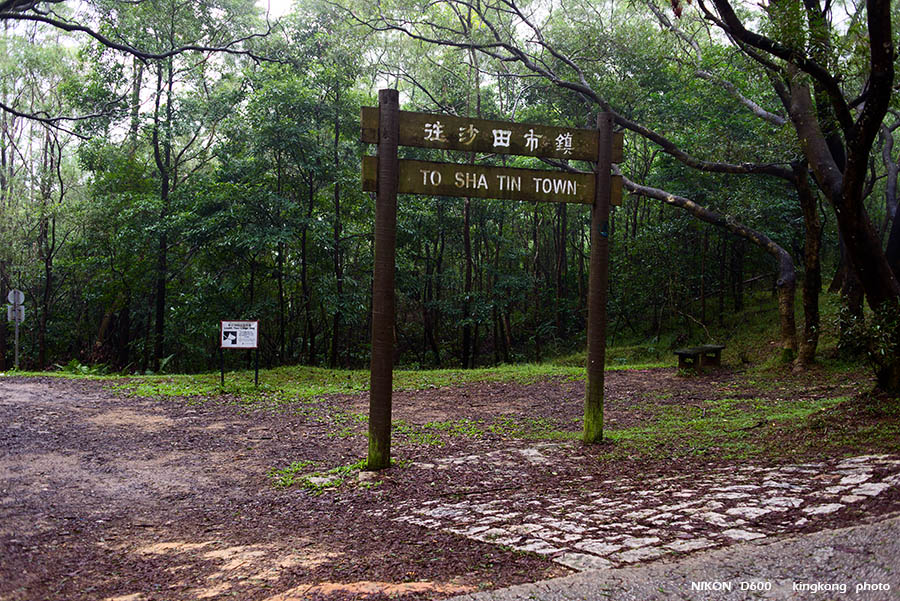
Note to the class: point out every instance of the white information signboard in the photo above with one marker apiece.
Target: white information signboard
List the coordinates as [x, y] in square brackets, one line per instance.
[15, 313]
[239, 334]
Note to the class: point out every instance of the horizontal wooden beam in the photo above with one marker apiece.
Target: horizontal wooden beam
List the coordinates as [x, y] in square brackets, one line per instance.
[474, 181]
[448, 132]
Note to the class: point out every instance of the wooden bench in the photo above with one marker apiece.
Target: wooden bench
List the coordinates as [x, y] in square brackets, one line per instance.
[696, 357]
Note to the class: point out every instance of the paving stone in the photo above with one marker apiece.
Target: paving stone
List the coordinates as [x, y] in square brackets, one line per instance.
[597, 547]
[693, 544]
[871, 488]
[731, 496]
[566, 526]
[738, 534]
[583, 562]
[609, 526]
[717, 519]
[474, 530]
[855, 478]
[736, 487]
[639, 554]
[560, 539]
[498, 536]
[424, 523]
[748, 511]
[787, 502]
[534, 456]
[833, 490]
[822, 509]
[677, 506]
[541, 547]
[507, 516]
[634, 542]
[524, 529]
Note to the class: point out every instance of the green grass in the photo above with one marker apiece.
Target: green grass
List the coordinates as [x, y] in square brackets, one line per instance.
[319, 482]
[721, 429]
[438, 433]
[288, 476]
[298, 383]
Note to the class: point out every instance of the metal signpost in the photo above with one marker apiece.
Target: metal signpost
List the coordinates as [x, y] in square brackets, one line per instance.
[15, 312]
[387, 175]
[239, 335]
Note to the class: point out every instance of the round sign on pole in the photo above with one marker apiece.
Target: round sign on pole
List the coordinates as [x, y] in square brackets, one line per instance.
[16, 297]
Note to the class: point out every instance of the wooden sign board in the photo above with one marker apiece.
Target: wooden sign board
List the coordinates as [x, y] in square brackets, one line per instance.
[448, 132]
[474, 181]
[615, 192]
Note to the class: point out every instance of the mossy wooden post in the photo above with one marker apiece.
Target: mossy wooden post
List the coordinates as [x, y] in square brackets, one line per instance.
[597, 285]
[382, 362]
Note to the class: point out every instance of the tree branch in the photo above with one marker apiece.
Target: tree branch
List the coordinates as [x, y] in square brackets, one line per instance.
[230, 47]
[729, 22]
[507, 51]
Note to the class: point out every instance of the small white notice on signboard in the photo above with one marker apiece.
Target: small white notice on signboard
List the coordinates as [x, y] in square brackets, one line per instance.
[239, 334]
[15, 313]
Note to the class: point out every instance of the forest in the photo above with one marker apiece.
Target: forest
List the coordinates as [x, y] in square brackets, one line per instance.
[166, 165]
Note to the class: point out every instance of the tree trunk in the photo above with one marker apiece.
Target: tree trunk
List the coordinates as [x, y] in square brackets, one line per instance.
[428, 310]
[723, 255]
[499, 341]
[162, 153]
[279, 276]
[560, 240]
[703, 252]
[535, 309]
[310, 335]
[812, 279]
[466, 355]
[336, 251]
[4, 328]
[123, 335]
[737, 275]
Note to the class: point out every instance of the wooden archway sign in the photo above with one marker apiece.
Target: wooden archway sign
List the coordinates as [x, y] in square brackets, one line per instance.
[388, 176]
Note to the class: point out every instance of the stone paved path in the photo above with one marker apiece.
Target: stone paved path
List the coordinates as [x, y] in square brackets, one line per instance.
[606, 524]
[853, 564]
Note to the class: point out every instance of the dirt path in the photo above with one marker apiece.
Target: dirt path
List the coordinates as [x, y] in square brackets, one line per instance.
[109, 497]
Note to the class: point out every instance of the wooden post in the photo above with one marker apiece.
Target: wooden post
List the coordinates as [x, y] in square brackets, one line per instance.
[597, 285]
[382, 361]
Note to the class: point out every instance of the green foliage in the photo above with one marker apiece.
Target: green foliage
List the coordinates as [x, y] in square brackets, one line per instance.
[263, 217]
[878, 338]
[75, 367]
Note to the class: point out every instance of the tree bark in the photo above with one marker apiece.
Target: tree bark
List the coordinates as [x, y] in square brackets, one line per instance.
[812, 278]
[310, 337]
[466, 355]
[336, 251]
[162, 154]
